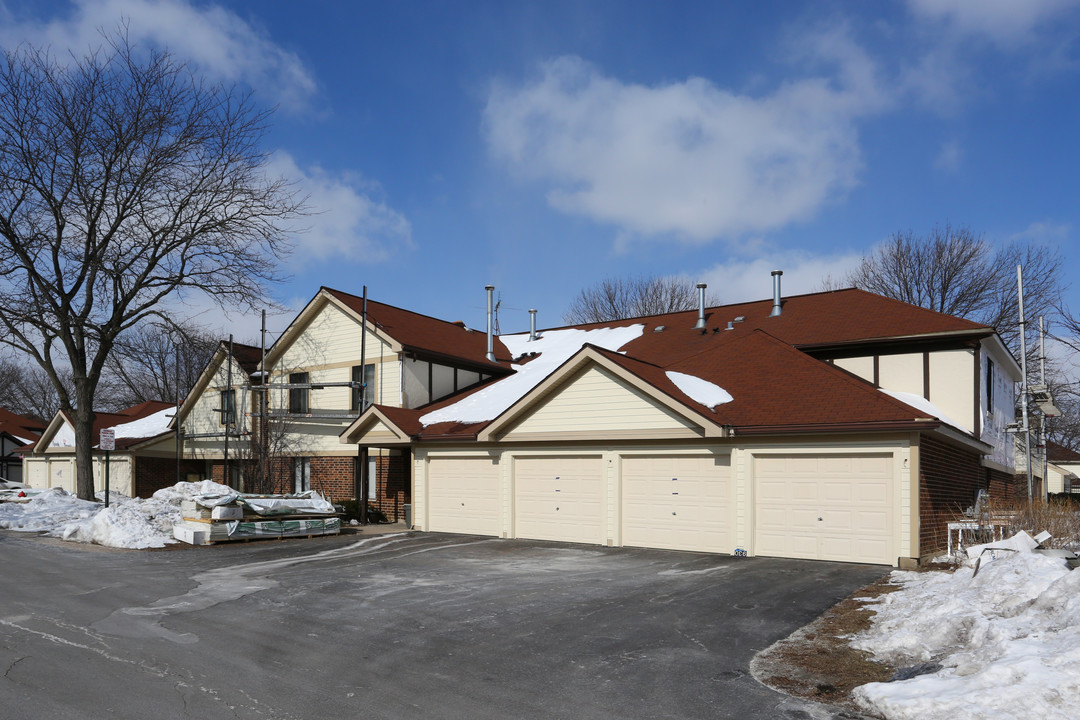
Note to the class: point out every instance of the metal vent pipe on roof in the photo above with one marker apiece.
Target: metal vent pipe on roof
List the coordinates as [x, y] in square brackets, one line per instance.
[776, 310]
[532, 324]
[700, 306]
[490, 312]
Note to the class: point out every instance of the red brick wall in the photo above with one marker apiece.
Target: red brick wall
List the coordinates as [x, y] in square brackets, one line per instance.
[392, 489]
[949, 477]
[153, 474]
[333, 477]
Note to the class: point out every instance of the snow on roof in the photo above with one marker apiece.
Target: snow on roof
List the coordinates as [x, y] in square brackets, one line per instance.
[147, 427]
[555, 348]
[920, 403]
[700, 391]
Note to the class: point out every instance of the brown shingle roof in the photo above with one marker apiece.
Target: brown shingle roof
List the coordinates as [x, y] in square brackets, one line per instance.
[20, 427]
[1060, 454]
[429, 336]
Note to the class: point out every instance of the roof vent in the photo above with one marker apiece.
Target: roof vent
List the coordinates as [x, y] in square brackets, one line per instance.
[776, 309]
[730, 325]
[741, 318]
[532, 324]
[700, 325]
[658, 328]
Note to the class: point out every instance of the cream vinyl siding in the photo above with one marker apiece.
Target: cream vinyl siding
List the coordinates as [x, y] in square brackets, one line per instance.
[204, 416]
[595, 400]
[678, 503]
[861, 366]
[462, 496]
[952, 385]
[825, 507]
[559, 498]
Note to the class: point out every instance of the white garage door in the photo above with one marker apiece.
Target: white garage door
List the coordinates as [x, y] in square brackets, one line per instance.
[463, 496]
[680, 503]
[559, 498]
[825, 507]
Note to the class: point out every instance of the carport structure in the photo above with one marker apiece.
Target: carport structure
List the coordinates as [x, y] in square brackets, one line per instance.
[824, 431]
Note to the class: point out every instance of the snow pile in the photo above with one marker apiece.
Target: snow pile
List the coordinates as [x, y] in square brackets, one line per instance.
[1008, 640]
[555, 348]
[127, 523]
[700, 391]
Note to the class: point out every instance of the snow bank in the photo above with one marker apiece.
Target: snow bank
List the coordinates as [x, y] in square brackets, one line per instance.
[127, 522]
[700, 391]
[1008, 640]
[555, 348]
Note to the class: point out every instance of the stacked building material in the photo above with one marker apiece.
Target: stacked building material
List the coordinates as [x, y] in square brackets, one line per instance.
[223, 518]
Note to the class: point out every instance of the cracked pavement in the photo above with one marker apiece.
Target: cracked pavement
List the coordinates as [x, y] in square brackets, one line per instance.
[399, 626]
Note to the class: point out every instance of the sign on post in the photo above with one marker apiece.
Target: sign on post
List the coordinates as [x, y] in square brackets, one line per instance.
[107, 442]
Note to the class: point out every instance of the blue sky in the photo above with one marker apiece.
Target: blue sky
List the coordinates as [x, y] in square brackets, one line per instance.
[542, 146]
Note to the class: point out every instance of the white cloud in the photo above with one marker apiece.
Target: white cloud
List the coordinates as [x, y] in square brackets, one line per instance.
[948, 158]
[687, 158]
[747, 280]
[1006, 22]
[219, 42]
[346, 222]
[1045, 231]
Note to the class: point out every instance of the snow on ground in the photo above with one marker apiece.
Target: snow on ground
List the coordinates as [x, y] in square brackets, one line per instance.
[1008, 641]
[700, 391]
[127, 523]
[555, 348]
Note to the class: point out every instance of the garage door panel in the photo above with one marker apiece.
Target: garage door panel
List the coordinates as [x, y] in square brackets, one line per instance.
[463, 496]
[677, 502]
[559, 498]
[832, 507]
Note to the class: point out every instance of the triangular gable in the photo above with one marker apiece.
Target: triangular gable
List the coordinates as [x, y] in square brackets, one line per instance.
[307, 316]
[626, 406]
[373, 427]
[207, 376]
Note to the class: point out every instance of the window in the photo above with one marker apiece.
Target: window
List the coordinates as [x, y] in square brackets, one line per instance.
[298, 397]
[369, 387]
[228, 407]
[302, 472]
[989, 385]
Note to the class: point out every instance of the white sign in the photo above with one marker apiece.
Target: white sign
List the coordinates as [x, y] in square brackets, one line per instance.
[108, 439]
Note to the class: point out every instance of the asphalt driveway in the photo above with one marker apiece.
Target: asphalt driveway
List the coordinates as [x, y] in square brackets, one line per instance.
[398, 626]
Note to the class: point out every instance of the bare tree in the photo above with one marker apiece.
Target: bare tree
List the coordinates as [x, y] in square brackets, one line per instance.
[28, 390]
[956, 272]
[156, 362]
[125, 181]
[630, 297]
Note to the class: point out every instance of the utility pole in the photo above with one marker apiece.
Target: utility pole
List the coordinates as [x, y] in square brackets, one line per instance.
[1042, 416]
[1025, 429]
